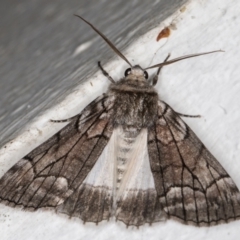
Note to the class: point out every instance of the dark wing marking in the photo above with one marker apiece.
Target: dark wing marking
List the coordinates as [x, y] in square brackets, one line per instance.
[52, 172]
[192, 186]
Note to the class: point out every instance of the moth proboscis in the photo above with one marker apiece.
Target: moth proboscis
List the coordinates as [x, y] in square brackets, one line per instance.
[128, 155]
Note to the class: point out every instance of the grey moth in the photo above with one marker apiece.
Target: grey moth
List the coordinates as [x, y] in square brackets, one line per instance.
[128, 155]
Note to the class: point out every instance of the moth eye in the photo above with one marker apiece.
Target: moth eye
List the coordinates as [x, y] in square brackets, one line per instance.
[127, 72]
[146, 74]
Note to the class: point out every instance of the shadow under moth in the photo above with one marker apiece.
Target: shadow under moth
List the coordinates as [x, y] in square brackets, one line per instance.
[128, 155]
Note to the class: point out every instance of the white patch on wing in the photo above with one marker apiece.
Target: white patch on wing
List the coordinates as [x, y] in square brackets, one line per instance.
[102, 174]
[122, 174]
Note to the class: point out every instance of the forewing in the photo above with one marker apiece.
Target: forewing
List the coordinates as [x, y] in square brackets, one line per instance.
[92, 200]
[52, 172]
[191, 184]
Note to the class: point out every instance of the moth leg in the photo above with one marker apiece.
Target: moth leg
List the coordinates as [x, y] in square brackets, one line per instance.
[105, 73]
[186, 115]
[63, 120]
[155, 78]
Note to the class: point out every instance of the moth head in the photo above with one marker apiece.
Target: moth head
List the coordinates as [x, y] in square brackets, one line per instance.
[136, 73]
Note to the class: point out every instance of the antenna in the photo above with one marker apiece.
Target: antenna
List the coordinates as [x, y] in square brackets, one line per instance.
[181, 58]
[106, 40]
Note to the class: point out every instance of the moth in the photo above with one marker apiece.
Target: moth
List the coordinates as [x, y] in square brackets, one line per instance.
[128, 155]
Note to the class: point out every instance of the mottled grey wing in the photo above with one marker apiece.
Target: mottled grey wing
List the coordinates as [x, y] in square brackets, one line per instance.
[51, 173]
[192, 186]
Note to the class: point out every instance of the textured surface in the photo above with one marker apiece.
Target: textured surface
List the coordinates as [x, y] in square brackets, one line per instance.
[192, 186]
[208, 86]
